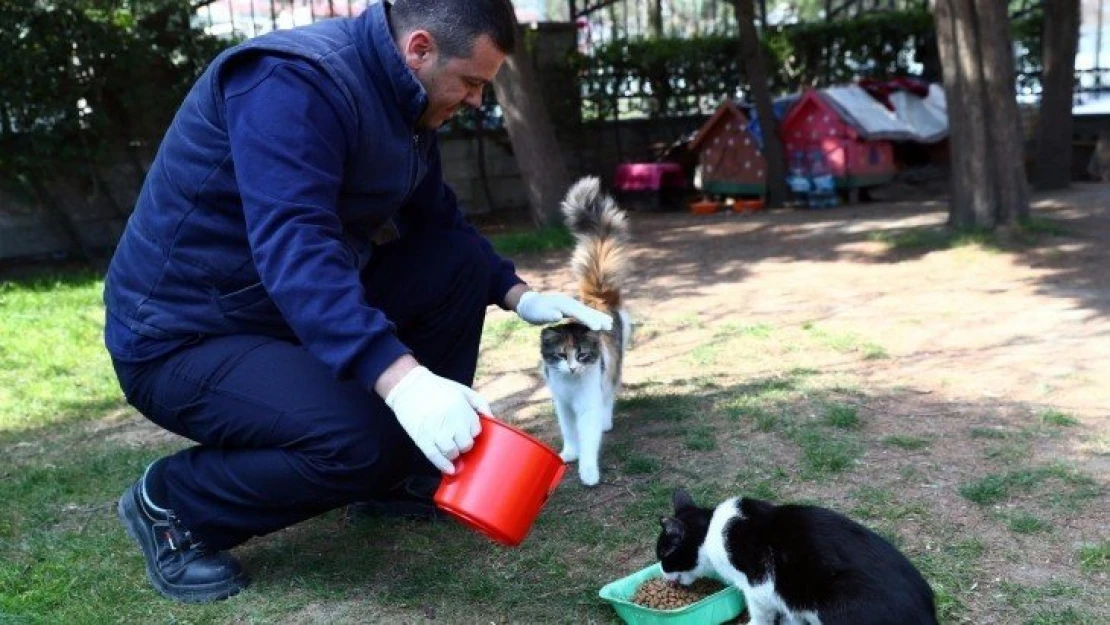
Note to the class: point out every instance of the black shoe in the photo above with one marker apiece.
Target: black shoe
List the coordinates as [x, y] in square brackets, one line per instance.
[178, 567]
[411, 499]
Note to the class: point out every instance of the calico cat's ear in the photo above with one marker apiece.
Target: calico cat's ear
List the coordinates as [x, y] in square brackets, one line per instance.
[550, 336]
[682, 500]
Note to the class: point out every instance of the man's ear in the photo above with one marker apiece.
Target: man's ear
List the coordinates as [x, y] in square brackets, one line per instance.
[419, 49]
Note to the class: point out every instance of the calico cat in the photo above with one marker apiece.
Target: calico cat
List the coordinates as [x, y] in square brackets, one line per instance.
[582, 367]
[796, 565]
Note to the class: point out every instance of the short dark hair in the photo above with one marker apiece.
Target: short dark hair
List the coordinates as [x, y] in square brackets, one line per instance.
[457, 24]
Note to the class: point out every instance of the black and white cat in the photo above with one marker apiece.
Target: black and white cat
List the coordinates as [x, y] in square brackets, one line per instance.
[795, 564]
[582, 367]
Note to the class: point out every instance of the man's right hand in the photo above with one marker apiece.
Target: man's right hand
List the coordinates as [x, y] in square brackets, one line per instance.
[440, 415]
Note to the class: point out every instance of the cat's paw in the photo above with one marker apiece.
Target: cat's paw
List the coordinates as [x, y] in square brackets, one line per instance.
[568, 455]
[589, 476]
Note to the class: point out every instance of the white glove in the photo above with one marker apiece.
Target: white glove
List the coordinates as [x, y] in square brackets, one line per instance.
[541, 308]
[438, 414]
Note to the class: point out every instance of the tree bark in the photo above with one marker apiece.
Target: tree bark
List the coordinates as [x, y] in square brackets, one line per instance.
[960, 160]
[751, 58]
[655, 18]
[532, 135]
[1006, 147]
[978, 178]
[1054, 125]
[987, 178]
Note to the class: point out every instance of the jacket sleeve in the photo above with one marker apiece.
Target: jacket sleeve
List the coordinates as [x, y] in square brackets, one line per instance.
[433, 204]
[288, 134]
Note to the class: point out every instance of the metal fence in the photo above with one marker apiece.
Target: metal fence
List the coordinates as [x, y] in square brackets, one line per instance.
[603, 21]
[250, 18]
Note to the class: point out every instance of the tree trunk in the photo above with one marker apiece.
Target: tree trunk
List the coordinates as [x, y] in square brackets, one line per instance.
[532, 135]
[987, 178]
[751, 58]
[655, 18]
[960, 159]
[1006, 147]
[969, 133]
[1061, 38]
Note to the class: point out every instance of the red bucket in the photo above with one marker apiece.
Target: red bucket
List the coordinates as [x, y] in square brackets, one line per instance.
[501, 484]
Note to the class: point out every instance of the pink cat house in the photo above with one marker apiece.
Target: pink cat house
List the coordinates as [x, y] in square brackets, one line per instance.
[857, 158]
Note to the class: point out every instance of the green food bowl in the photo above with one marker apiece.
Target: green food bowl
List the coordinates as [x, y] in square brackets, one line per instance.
[718, 607]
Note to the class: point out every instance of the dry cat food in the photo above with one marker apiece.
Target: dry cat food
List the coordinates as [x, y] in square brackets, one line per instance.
[657, 594]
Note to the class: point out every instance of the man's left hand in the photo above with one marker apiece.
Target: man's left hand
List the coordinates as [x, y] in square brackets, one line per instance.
[543, 308]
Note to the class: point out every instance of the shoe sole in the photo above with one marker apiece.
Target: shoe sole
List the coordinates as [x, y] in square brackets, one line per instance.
[189, 594]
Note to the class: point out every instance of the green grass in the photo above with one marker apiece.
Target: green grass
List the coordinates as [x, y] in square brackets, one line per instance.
[932, 238]
[1013, 450]
[1057, 418]
[1054, 484]
[532, 241]
[825, 453]
[700, 438]
[1095, 558]
[845, 342]
[842, 416]
[952, 568]
[1054, 616]
[763, 483]
[760, 412]
[882, 504]
[509, 328]
[907, 442]
[1024, 523]
[791, 436]
[53, 365]
[755, 330]
[929, 238]
[707, 354]
[666, 406]
[1018, 594]
[1045, 226]
[762, 402]
[1047, 604]
[991, 433]
[638, 464]
[874, 351]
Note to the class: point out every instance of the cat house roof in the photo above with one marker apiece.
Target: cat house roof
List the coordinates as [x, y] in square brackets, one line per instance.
[726, 112]
[845, 111]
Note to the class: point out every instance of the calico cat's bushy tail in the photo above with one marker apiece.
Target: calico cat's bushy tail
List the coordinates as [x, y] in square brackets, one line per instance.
[600, 257]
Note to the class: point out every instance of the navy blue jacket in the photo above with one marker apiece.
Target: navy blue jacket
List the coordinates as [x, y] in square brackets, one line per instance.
[290, 154]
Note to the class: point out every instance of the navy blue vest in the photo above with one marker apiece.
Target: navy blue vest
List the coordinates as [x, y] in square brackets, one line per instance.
[183, 267]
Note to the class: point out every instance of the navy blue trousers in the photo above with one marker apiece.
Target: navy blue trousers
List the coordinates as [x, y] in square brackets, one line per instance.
[279, 439]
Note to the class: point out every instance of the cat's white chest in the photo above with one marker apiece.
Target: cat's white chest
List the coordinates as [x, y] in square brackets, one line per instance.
[582, 391]
[766, 607]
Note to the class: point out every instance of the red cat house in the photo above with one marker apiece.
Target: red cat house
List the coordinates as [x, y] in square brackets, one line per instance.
[850, 129]
[729, 156]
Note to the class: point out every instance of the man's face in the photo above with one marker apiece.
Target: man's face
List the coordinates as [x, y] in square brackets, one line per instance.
[451, 83]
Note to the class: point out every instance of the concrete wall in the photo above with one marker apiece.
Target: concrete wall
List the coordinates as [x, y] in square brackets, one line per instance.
[595, 149]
